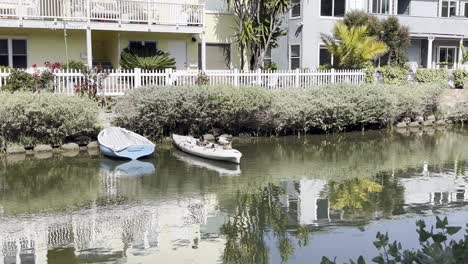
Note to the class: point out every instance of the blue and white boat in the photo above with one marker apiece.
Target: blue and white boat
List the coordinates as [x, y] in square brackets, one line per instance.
[116, 142]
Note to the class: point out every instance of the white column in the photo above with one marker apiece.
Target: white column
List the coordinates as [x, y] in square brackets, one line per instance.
[119, 48]
[440, 8]
[460, 54]
[203, 52]
[430, 44]
[89, 48]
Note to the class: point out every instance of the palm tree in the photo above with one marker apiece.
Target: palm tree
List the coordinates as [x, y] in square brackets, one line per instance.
[352, 47]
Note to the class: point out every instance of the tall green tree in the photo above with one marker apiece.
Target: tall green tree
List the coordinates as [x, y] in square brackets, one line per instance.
[352, 47]
[389, 30]
[259, 26]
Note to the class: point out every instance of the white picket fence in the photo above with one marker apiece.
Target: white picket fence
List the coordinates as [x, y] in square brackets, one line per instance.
[120, 81]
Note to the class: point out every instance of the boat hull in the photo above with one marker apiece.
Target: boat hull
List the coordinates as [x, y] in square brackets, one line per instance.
[188, 145]
[132, 152]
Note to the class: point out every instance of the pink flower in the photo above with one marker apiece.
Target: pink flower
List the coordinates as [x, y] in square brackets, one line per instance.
[34, 65]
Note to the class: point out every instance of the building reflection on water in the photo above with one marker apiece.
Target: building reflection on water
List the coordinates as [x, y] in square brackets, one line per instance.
[174, 228]
[108, 230]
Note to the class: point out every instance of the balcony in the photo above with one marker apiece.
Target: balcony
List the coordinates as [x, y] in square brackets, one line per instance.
[144, 15]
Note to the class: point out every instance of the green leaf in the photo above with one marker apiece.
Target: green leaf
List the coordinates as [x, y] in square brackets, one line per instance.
[452, 230]
[379, 260]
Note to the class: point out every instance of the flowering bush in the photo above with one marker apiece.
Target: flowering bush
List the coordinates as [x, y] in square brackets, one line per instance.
[39, 80]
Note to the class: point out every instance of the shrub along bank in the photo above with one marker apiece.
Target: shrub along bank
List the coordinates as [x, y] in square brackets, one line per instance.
[159, 111]
[44, 118]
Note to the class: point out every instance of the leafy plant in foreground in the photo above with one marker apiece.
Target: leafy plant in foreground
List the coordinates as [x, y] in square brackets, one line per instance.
[435, 247]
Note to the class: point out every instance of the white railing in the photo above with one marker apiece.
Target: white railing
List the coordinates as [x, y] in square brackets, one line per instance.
[119, 82]
[182, 13]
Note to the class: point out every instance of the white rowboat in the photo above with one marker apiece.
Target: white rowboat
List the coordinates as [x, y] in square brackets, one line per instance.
[117, 142]
[211, 151]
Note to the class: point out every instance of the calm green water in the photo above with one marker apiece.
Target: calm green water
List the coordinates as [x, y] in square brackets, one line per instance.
[292, 200]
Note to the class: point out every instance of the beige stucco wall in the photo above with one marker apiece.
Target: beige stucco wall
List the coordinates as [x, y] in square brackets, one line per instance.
[49, 45]
[220, 29]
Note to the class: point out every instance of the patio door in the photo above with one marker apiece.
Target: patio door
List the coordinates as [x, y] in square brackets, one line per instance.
[447, 57]
[178, 50]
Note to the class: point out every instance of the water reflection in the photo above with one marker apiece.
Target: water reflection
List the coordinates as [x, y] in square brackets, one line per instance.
[222, 168]
[134, 168]
[290, 193]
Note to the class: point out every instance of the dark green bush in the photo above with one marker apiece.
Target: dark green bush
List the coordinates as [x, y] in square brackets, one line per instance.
[432, 75]
[74, 65]
[460, 77]
[20, 81]
[159, 111]
[394, 75]
[45, 118]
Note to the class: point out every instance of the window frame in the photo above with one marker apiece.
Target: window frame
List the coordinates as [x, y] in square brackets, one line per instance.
[300, 11]
[266, 58]
[291, 57]
[449, 5]
[455, 55]
[323, 47]
[390, 7]
[333, 9]
[9, 40]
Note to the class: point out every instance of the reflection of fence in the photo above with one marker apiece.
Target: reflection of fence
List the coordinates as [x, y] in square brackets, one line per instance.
[118, 82]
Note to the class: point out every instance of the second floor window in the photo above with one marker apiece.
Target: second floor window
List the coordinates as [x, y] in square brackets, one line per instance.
[449, 8]
[380, 6]
[296, 8]
[335, 8]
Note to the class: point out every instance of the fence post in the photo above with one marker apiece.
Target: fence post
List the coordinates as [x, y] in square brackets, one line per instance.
[332, 79]
[168, 73]
[137, 76]
[297, 81]
[236, 78]
[259, 77]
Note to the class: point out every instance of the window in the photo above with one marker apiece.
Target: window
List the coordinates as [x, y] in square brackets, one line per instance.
[217, 6]
[447, 56]
[4, 61]
[20, 54]
[218, 56]
[325, 58]
[14, 53]
[143, 48]
[449, 8]
[296, 8]
[466, 10]
[404, 7]
[267, 59]
[381, 6]
[295, 57]
[335, 8]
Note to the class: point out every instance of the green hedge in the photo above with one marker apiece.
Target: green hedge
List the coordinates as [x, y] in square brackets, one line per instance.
[159, 111]
[32, 118]
[432, 75]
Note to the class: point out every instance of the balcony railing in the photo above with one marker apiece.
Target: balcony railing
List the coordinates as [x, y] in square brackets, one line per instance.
[148, 12]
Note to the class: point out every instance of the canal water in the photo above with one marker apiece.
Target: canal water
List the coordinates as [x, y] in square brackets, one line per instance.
[292, 200]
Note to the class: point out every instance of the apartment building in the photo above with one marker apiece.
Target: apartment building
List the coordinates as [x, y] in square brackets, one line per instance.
[438, 29]
[196, 33]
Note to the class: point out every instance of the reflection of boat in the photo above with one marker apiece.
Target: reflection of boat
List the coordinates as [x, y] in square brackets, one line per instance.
[224, 169]
[134, 168]
[211, 151]
[117, 142]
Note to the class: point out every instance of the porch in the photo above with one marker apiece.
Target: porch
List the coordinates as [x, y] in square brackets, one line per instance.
[135, 15]
[436, 51]
[22, 48]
